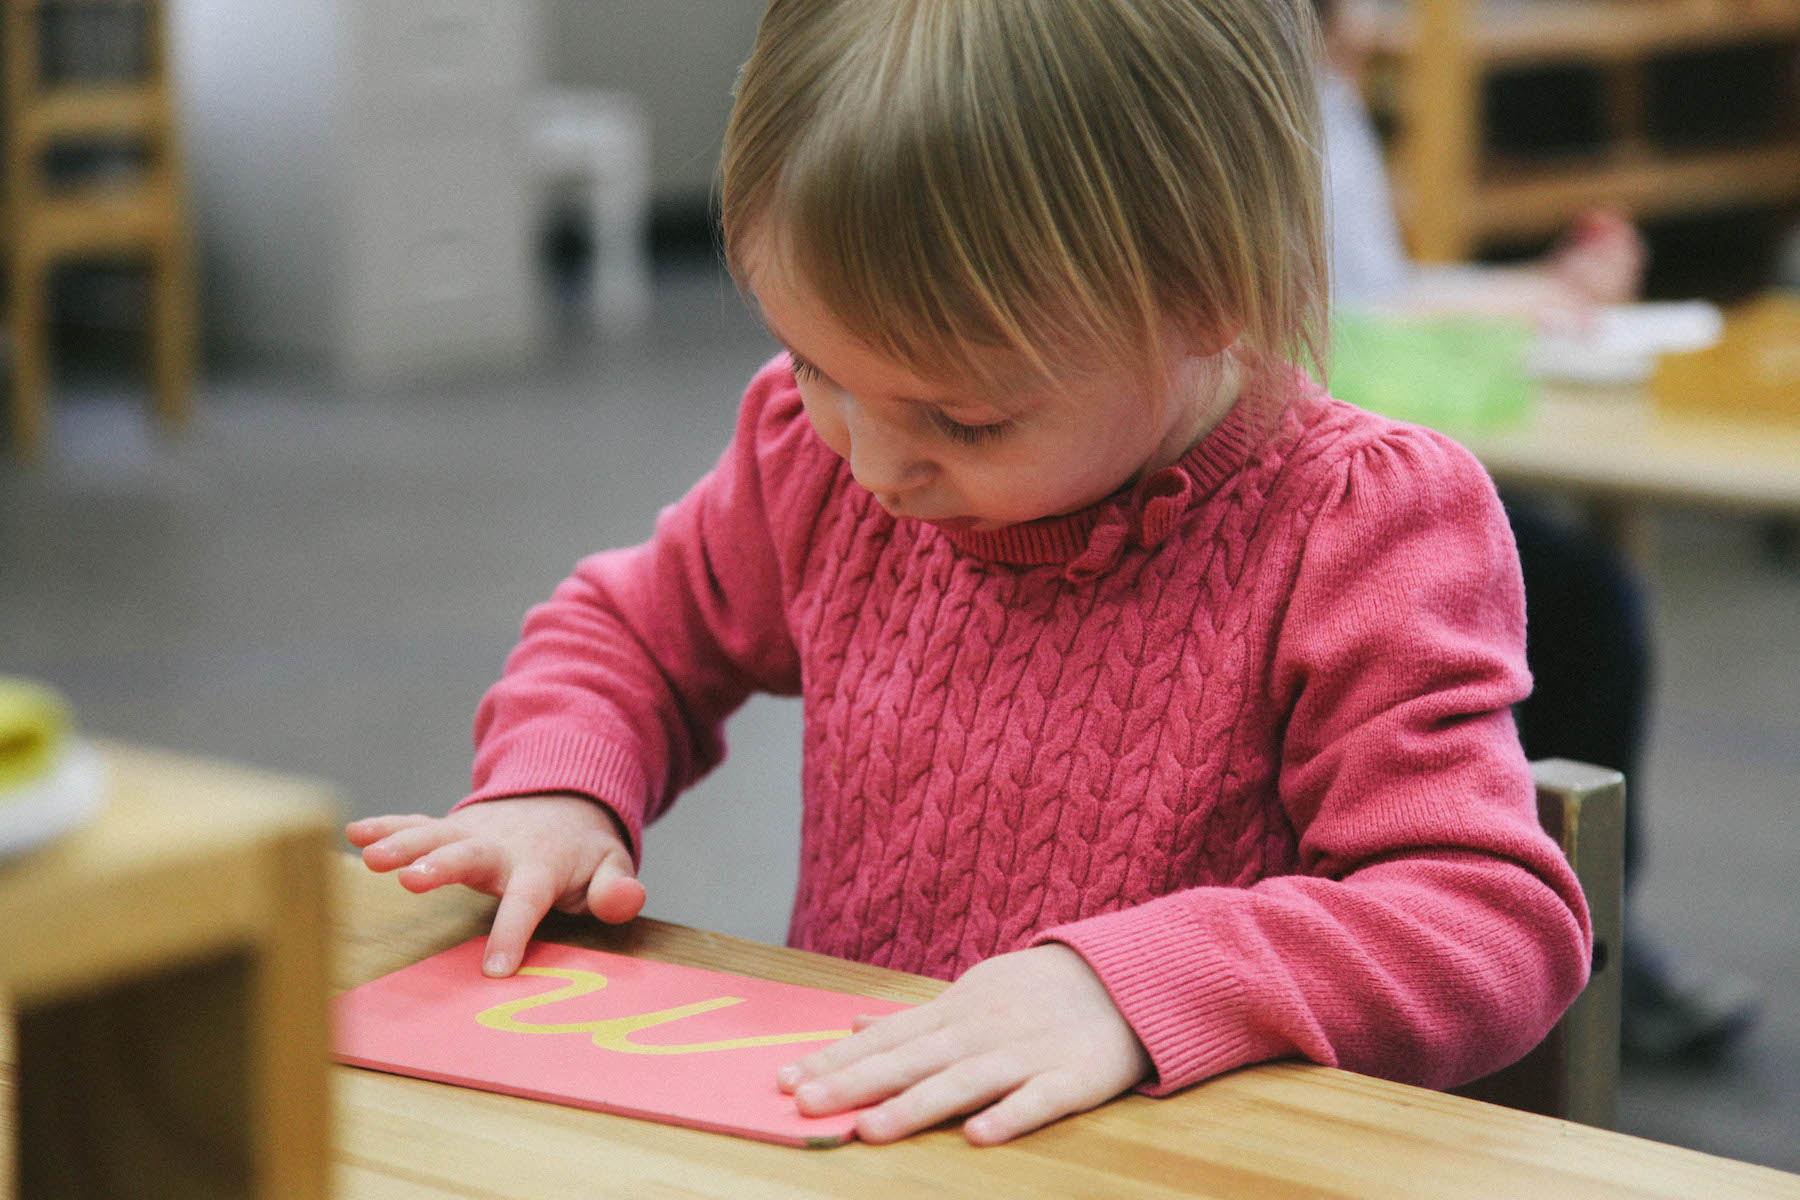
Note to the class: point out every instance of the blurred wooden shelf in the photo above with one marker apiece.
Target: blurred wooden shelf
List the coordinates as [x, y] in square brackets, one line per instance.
[1531, 200]
[1454, 197]
[1511, 33]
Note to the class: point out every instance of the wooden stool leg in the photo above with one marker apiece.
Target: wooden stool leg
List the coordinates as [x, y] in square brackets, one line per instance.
[1625, 526]
[30, 356]
[171, 332]
[291, 1100]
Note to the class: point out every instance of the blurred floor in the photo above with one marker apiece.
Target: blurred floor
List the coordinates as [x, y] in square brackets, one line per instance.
[324, 581]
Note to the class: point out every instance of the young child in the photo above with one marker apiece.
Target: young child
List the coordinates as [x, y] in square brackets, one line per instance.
[1155, 698]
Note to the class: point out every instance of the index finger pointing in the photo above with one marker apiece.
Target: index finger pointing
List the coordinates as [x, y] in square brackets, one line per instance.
[527, 898]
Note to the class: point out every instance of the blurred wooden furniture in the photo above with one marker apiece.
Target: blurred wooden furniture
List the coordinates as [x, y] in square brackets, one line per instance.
[1574, 1073]
[1612, 450]
[162, 991]
[1278, 1130]
[51, 216]
[1440, 52]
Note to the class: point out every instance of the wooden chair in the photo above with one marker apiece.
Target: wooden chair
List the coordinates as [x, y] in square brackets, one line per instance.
[1574, 1073]
[46, 222]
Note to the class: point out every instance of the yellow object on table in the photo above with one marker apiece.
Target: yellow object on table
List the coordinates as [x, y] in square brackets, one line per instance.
[51, 781]
[34, 720]
[1753, 372]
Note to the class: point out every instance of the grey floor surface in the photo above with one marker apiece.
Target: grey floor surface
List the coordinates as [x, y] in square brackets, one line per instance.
[323, 579]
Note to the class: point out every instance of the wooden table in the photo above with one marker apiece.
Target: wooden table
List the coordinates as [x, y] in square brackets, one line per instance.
[1281, 1130]
[1612, 444]
[1614, 452]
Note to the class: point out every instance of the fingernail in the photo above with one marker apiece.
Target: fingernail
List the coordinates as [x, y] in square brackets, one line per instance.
[810, 1095]
[788, 1077]
[495, 964]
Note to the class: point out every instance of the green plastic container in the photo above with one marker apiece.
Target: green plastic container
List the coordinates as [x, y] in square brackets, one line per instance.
[1457, 374]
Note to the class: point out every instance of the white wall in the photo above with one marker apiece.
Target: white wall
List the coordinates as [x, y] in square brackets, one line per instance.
[680, 57]
[256, 83]
[260, 83]
[363, 190]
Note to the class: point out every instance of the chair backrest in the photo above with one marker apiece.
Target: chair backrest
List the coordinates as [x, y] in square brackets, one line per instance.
[1574, 1072]
[90, 169]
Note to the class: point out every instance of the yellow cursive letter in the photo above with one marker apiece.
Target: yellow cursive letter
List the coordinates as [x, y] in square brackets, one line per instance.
[614, 1033]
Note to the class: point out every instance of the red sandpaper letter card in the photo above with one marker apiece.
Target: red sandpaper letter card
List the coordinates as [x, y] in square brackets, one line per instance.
[606, 1032]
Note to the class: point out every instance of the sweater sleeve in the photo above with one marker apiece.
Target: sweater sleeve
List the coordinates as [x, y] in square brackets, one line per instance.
[621, 682]
[1433, 932]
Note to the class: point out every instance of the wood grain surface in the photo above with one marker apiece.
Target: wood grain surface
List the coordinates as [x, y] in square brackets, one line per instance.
[1283, 1130]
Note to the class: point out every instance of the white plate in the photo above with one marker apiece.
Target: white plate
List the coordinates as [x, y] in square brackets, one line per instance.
[1625, 340]
[37, 812]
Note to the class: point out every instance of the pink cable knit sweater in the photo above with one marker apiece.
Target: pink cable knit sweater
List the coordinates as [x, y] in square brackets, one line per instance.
[1240, 736]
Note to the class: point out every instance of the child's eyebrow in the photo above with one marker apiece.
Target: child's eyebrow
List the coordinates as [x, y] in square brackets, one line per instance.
[798, 357]
[785, 344]
[939, 402]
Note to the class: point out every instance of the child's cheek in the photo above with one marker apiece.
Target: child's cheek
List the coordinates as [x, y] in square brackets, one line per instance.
[828, 425]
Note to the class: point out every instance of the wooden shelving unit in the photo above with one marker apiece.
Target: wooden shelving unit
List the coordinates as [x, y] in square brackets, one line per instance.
[1454, 197]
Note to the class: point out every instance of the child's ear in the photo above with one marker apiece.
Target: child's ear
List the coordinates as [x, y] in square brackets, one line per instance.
[1206, 336]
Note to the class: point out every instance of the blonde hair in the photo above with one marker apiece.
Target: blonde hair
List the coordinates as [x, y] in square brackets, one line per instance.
[1067, 180]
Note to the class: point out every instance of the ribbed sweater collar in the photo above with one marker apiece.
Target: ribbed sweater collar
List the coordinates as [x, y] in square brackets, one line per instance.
[1141, 514]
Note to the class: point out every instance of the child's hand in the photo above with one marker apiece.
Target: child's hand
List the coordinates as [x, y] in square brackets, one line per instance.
[534, 852]
[1028, 1037]
[1601, 258]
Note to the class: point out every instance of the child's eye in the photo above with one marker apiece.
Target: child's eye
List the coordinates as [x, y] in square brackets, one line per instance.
[803, 370]
[968, 435]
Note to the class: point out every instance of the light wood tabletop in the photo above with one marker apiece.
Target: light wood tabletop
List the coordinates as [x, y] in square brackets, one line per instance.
[1612, 444]
[1276, 1131]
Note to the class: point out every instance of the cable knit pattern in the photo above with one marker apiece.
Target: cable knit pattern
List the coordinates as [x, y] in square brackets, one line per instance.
[1239, 735]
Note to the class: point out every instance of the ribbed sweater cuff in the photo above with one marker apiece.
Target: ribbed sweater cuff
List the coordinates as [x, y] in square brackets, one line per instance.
[1179, 993]
[569, 762]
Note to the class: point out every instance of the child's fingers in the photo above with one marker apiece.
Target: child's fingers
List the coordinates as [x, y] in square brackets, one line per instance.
[401, 847]
[1032, 1105]
[878, 1076]
[966, 1084]
[370, 830]
[472, 862]
[878, 1037]
[528, 896]
[614, 894]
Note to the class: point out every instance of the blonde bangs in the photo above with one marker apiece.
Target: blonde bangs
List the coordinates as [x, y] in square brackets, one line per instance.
[1063, 183]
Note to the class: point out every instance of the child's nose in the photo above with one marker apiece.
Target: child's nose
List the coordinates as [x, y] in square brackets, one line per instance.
[885, 460]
